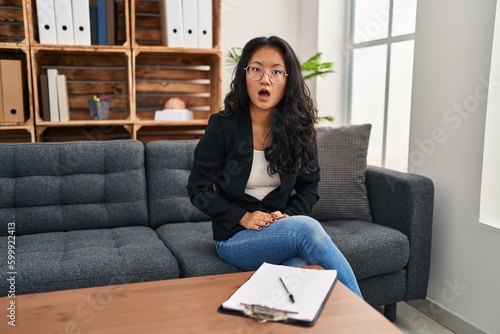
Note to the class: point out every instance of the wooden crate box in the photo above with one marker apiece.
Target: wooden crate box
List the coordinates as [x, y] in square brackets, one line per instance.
[88, 74]
[17, 135]
[119, 23]
[161, 76]
[13, 23]
[146, 23]
[79, 133]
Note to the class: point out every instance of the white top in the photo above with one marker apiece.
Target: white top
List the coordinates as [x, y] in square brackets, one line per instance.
[260, 183]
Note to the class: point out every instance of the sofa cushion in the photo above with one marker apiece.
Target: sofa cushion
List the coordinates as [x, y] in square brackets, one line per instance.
[371, 249]
[342, 159]
[168, 164]
[77, 259]
[51, 187]
[193, 246]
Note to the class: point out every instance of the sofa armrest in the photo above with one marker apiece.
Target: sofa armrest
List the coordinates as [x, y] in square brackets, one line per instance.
[405, 202]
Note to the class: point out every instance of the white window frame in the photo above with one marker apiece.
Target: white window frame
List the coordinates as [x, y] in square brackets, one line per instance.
[388, 41]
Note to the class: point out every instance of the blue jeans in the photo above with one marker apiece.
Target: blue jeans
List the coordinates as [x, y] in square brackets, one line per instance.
[293, 241]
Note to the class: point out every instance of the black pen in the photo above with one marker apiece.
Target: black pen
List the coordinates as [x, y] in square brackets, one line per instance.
[289, 294]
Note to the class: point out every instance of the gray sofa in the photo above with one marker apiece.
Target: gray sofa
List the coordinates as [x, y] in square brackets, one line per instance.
[102, 213]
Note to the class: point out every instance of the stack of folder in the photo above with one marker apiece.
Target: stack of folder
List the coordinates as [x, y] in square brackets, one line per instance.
[54, 96]
[186, 23]
[76, 22]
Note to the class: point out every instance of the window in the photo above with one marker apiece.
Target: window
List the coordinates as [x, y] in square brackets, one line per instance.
[380, 76]
[490, 182]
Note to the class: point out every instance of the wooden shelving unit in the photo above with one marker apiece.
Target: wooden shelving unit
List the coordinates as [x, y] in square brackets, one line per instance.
[138, 74]
[160, 73]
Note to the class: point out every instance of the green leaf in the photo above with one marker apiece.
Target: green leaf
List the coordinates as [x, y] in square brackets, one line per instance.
[233, 56]
[326, 118]
[314, 67]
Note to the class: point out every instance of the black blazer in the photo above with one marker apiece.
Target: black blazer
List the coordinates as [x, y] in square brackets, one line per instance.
[221, 168]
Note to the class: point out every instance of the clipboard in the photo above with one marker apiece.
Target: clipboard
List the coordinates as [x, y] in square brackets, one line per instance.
[264, 298]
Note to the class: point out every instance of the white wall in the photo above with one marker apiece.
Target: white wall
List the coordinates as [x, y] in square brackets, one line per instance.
[331, 90]
[297, 22]
[243, 20]
[453, 47]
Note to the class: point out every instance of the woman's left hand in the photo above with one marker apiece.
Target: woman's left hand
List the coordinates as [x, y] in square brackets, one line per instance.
[278, 215]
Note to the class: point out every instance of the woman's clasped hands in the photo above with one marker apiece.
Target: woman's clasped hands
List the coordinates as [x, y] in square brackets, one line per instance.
[258, 219]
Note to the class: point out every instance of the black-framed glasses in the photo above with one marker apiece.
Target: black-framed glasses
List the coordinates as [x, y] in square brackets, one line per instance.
[256, 72]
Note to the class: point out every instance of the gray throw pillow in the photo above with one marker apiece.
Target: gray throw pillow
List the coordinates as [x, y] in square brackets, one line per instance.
[342, 159]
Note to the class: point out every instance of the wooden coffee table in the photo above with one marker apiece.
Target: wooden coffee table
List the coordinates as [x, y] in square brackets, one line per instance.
[186, 305]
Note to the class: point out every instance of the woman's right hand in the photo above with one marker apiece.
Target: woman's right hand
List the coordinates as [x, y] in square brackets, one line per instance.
[256, 220]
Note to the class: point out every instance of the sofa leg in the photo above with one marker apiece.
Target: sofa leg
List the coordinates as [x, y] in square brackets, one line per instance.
[390, 312]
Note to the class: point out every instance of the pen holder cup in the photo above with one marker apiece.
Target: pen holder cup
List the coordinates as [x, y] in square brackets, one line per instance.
[99, 109]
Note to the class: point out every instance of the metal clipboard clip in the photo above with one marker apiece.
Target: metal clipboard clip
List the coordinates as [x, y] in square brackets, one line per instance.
[263, 313]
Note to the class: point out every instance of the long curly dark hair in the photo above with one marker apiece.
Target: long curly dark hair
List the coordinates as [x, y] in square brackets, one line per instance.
[293, 135]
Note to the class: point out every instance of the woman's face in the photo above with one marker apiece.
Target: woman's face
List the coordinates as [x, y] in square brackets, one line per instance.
[265, 94]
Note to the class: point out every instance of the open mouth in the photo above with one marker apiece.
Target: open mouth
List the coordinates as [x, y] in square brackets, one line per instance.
[264, 94]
